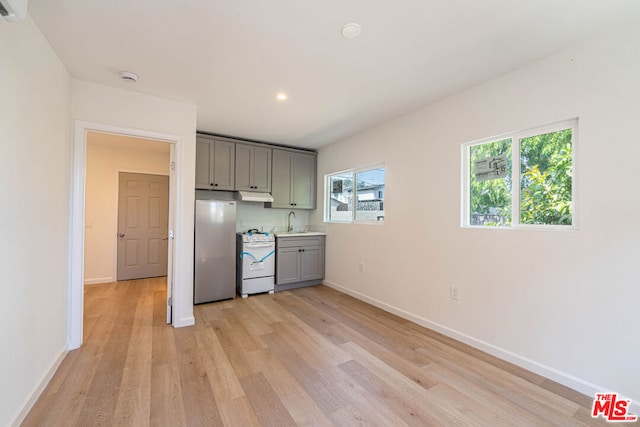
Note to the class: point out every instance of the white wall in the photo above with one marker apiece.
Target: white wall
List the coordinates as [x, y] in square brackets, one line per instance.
[34, 196]
[254, 215]
[562, 303]
[93, 102]
[107, 156]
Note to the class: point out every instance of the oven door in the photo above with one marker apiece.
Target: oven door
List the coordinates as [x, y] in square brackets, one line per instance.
[258, 259]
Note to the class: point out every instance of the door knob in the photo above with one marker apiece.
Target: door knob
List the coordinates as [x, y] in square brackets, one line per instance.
[165, 238]
[121, 235]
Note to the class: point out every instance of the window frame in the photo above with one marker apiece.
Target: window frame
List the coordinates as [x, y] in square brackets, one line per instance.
[516, 138]
[354, 172]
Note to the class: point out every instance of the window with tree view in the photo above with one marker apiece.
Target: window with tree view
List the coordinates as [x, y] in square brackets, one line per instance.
[364, 203]
[533, 168]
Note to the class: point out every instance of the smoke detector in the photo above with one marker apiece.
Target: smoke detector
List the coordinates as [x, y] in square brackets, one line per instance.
[351, 30]
[128, 76]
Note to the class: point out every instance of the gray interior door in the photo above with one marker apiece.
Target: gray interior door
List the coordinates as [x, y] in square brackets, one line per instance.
[143, 225]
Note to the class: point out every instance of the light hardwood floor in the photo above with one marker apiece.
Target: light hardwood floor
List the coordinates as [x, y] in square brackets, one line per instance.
[310, 356]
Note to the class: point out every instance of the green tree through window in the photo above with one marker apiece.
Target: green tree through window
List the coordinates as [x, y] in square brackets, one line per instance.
[546, 172]
[490, 200]
[544, 181]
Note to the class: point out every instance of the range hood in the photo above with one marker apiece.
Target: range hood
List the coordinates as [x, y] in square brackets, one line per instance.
[252, 196]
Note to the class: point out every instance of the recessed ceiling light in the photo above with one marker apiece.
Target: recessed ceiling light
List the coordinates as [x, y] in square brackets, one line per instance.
[128, 76]
[281, 96]
[351, 30]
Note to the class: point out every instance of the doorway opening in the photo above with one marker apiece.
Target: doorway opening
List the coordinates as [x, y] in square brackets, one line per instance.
[126, 208]
[102, 154]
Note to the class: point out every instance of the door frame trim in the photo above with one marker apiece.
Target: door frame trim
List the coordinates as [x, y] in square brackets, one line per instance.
[78, 201]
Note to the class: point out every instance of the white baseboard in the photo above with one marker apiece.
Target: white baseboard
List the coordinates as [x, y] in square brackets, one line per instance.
[575, 383]
[187, 321]
[39, 388]
[99, 280]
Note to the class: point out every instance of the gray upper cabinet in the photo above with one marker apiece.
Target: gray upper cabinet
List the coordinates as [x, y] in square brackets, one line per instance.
[253, 168]
[294, 180]
[215, 164]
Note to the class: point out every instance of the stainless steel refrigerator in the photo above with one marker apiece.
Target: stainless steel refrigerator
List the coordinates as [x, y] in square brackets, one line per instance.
[215, 251]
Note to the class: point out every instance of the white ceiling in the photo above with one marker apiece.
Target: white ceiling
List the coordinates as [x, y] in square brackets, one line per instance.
[231, 57]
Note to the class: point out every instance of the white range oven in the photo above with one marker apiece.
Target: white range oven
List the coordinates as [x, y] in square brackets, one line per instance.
[255, 262]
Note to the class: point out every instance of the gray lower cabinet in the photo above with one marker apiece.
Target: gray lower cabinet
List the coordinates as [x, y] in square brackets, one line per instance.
[215, 164]
[299, 261]
[253, 168]
[294, 180]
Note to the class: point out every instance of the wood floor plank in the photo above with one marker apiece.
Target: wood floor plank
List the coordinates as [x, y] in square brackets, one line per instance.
[222, 378]
[167, 405]
[264, 402]
[381, 333]
[492, 403]
[313, 347]
[314, 383]
[430, 335]
[301, 406]
[267, 309]
[238, 412]
[103, 393]
[393, 360]
[250, 317]
[197, 397]
[133, 404]
[310, 356]
[231, 337]
[517, 390]
[407, 410]
[364, 408]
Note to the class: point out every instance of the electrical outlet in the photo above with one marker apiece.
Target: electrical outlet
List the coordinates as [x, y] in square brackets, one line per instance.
[362, 267]
[454, 292]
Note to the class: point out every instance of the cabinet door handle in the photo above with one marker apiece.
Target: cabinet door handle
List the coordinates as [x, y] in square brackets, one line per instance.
[215, 185]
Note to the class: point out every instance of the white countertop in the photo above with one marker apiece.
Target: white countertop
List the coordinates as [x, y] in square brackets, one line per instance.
[300, 234]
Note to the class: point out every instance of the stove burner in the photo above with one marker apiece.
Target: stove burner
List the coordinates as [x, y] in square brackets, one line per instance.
[254, 235]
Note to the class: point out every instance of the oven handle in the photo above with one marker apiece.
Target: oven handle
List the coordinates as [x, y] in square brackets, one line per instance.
[257, 260]
[259, 245]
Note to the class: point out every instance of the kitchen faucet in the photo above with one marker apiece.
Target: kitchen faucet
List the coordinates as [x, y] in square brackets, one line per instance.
[289, 225]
